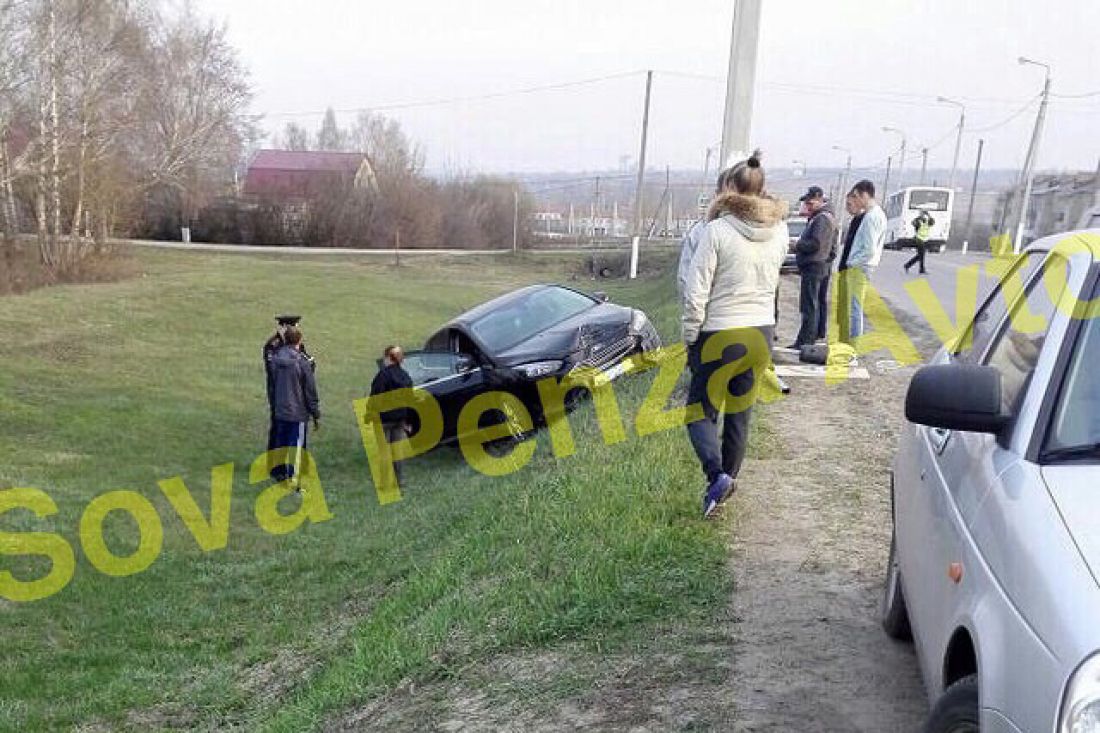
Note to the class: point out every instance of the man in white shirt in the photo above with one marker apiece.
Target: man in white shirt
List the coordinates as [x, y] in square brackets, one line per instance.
[866, 251]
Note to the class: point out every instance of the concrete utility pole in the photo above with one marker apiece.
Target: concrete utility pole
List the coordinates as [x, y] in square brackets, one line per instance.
[901, 160]
[741, 81]
[886, 182]
[973, 195]
[923, 164]
[1027, 177]
[847, 170]
[641, 179]
[958, 137]
[515, 222]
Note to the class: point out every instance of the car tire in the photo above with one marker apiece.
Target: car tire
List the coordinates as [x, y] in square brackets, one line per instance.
[894, 614]
[958, 710]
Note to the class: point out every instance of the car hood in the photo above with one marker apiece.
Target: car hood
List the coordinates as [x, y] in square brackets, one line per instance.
[1075, 489]
[600, 325]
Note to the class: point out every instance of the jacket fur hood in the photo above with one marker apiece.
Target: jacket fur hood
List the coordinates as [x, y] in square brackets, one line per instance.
[756, 211]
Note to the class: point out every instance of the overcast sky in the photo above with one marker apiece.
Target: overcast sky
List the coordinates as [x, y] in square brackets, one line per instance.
[828, 77]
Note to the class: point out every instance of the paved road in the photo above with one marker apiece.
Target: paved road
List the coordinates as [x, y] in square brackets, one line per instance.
[943, 269]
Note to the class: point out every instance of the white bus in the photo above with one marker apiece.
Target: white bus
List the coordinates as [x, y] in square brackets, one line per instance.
[905, 205]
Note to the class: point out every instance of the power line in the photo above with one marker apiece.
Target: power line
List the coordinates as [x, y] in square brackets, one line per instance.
[457, 100]
[1006, 120]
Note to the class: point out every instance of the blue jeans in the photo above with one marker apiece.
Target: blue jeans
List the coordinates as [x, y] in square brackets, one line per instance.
[857, 289]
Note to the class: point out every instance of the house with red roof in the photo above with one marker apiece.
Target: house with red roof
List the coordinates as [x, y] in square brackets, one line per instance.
[290, 176]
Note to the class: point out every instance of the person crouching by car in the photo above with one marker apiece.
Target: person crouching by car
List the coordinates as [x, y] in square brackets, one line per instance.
[392, 376]
[815, 251]
[294, 401]
[729, 294]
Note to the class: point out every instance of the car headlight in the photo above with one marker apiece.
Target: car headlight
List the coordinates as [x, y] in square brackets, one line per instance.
[638, 321]
[537, 369]
[1081, 704]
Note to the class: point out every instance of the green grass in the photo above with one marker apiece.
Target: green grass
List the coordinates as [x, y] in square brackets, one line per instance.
[120, 385]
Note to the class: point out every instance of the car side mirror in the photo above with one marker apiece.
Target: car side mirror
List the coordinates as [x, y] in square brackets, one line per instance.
[956, 397]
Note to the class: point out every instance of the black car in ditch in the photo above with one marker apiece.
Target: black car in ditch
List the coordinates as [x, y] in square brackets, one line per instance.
[511, 342]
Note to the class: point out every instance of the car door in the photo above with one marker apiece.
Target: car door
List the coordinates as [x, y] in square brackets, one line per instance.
[451, 378]
[941, 478]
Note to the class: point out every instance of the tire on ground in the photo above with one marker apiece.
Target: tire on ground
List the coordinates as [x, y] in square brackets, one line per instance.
[894, 614]
[958, 709]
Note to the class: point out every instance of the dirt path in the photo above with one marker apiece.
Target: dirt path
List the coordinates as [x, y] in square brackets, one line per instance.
[810, 535]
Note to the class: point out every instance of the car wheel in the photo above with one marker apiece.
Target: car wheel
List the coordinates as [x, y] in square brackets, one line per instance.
[895, 617]
[516, 434]
[958, 709]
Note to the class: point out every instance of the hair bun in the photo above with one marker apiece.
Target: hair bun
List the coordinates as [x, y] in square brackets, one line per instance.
[754, 159]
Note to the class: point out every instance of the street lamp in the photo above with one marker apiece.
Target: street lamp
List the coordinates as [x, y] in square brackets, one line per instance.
[1028, 173]
[958, 137]
[901, 160]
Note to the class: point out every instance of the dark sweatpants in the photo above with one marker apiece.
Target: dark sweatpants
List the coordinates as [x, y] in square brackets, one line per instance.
[292, 435]
[814, 280]
[922, 249]
[724, 455]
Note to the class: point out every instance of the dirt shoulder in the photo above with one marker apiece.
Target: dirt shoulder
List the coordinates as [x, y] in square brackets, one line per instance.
[811, 533]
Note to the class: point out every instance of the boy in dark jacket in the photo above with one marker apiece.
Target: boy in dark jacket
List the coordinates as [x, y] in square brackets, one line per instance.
[392, 376]
[293, 401]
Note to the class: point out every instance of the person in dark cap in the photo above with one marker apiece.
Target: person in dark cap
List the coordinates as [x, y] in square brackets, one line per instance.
[294, 403]
[271, 346]
[815, 252]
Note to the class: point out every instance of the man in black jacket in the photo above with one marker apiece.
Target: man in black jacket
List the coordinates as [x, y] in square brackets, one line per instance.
[294, 401]
[815, 251]
[854, 207]
[390, 377]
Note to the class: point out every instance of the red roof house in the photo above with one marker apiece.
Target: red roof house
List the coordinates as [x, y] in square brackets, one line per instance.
[299, 174]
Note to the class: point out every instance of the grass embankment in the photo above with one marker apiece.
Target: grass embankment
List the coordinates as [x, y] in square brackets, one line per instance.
[120, 385]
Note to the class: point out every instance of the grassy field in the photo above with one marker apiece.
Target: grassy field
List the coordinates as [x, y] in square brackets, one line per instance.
[117, 386]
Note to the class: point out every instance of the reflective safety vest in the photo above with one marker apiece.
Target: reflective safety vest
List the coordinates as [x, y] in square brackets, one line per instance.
[924, 230]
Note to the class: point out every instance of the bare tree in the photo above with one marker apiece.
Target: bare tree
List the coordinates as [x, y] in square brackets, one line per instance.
[295, 137]
[330, 136]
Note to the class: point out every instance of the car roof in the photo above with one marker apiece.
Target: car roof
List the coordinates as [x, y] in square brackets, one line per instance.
[1087, 239]
[465, 319]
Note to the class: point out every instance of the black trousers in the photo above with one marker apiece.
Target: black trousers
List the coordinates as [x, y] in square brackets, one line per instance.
[722, 450]
[843, 308]
[922, 248]
[823, 306]
[815, 281]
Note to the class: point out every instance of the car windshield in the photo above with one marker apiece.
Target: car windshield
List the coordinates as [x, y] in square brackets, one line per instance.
[1077, 417]
[521, 319]
[928, 199]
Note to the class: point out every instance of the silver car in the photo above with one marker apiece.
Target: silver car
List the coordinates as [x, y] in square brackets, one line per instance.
[995, 558]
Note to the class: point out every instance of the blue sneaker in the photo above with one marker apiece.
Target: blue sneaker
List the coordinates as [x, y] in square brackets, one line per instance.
[718, 491]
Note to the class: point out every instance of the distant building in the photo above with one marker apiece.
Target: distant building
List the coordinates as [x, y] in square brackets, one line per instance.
[293, 175]
[1059, 202]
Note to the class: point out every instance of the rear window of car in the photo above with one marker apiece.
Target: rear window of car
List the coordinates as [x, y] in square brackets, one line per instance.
[521, 319]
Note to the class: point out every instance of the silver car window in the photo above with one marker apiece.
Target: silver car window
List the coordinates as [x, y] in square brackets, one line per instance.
[1077, 415]
[988, 319]
[1016, 351]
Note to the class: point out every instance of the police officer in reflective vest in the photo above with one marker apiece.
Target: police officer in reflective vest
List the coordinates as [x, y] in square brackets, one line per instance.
[923, 227]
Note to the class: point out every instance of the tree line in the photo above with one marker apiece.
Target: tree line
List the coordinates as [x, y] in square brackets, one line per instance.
[109, 108]
[130, 118]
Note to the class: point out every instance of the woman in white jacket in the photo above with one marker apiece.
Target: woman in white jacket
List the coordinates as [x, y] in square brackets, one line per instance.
[729, 302]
